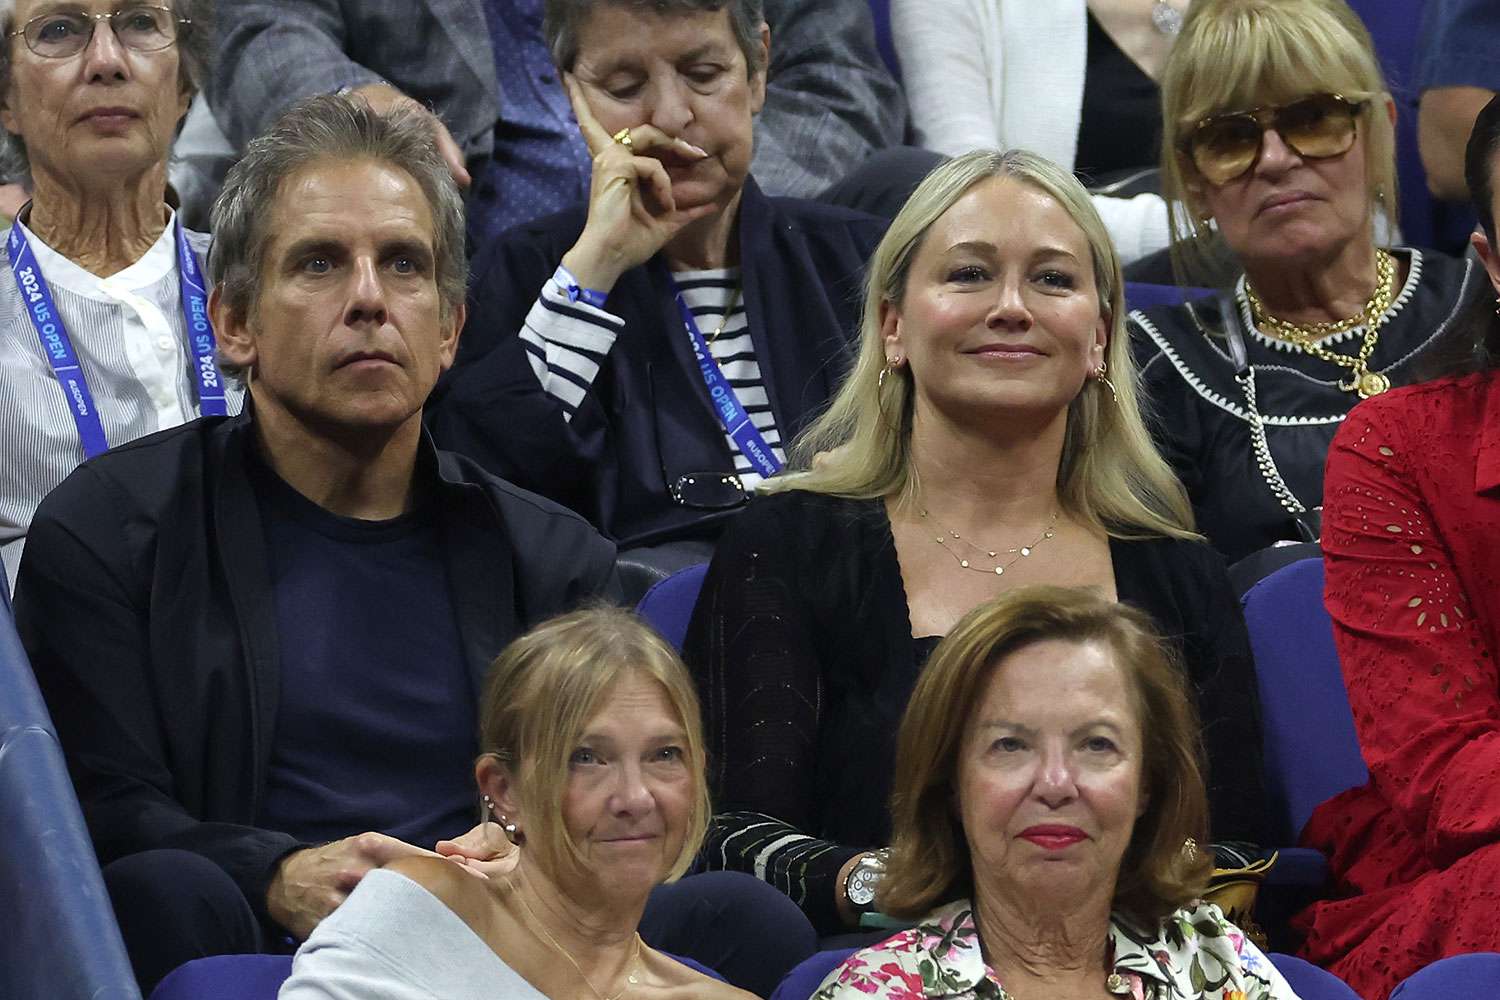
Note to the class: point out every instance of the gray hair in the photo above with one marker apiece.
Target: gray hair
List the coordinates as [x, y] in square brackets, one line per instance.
[195, 46]
[330, 127]
[563, 21]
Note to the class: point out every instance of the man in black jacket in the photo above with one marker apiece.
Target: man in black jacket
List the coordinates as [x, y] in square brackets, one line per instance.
[263, 633]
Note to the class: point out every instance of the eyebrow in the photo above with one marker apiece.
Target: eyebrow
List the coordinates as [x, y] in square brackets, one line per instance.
[332, 247]
[628, 61]
[308, 246]
[669, 736]
[1029, 732]
[986, 247]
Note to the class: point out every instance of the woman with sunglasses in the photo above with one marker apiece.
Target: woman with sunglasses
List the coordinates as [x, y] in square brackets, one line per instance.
[1278, 146]
[104, 334]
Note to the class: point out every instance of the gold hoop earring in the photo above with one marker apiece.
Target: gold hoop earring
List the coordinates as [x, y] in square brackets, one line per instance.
[891, 365]
[1101, 374]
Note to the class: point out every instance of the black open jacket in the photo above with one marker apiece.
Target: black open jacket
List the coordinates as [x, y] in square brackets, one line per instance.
[647, 418]
[145, 605]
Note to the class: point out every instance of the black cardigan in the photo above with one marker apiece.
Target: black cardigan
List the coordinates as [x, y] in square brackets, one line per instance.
[145, 605]
[801, 643]
[647, 418]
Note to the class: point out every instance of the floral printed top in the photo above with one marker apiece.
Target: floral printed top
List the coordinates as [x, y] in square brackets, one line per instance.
[1195, 955]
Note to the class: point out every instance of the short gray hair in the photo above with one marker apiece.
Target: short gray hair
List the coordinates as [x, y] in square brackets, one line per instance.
[340, 129]
[195, 47]
[563, 21]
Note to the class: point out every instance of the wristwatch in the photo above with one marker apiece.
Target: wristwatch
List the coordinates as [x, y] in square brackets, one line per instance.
[859, 886]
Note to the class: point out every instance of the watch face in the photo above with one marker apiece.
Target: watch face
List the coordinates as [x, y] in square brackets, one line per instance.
[861, 890]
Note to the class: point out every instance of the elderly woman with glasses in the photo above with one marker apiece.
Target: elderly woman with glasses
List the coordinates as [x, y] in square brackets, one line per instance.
[1278, 146]
[105, 333]
[642, 358]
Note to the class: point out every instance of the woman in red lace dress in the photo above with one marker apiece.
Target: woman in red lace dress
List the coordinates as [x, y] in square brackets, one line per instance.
[1411, 538]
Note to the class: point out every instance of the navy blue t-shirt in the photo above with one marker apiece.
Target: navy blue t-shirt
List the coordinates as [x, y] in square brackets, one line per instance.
[376, 726]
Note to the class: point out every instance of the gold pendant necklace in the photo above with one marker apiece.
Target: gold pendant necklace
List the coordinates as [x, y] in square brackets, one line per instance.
[631, 979]
[1017, 554]
[734, 299]
[1306, 337]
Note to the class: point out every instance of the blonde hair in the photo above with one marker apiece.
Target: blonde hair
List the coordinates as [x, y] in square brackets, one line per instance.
[1110, 476]
[930, 861]
[1234, 55]
[541, 694]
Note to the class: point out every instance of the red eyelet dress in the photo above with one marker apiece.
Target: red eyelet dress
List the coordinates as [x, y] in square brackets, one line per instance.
[1411, 537]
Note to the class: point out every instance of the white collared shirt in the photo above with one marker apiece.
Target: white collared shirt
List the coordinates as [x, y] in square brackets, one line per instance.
[132, 342]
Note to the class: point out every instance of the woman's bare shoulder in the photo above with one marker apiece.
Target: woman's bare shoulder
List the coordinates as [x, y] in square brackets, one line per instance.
[463, 892]
[679, 982]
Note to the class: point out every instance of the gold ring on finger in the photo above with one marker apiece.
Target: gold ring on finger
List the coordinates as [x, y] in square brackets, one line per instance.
[623, 138]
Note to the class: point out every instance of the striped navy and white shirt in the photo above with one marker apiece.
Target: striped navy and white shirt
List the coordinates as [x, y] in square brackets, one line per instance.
[567, 342]
[132, 343]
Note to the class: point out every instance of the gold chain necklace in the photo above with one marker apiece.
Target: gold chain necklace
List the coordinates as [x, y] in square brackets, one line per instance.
[1305, 337]
[1017, 554]
[631, 979]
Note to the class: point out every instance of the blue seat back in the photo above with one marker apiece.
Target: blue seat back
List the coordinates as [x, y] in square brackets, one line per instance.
[1311, 750]
[60, 940]
[1142, 295]
[880, 13]
[808, 974]
[668, 605]
[259, 977]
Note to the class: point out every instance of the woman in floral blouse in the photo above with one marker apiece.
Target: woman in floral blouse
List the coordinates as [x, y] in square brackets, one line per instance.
[1047, 802]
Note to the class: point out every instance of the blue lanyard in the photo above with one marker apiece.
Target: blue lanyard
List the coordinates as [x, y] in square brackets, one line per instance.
[737, 423]
[58, 347]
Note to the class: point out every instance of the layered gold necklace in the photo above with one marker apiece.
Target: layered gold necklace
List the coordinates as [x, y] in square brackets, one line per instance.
[632, 964]
[946, 536]
[1306, 337]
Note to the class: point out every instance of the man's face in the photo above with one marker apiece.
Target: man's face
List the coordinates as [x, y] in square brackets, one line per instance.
[347, 334]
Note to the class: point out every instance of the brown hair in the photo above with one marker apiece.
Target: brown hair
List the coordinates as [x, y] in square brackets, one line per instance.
[543, 690]
[930, 862]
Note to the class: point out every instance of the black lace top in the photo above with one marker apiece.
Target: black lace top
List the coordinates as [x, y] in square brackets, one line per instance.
[802, 648]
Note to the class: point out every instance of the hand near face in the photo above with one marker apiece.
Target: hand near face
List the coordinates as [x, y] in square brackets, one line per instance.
[632, 213]
[383, 97]
[311, 883]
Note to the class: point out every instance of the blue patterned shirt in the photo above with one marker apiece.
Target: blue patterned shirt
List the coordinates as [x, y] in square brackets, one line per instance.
[541, 164]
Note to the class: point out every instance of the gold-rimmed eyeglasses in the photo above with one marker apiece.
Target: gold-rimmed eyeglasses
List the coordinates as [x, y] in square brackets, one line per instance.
[58, 34]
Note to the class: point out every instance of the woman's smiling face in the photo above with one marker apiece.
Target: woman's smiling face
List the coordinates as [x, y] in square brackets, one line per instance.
[1001, 308]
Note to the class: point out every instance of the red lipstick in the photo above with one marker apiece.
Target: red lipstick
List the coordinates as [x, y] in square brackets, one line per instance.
[1053, 837]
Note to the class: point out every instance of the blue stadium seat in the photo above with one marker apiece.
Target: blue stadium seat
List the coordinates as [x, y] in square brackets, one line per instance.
[880, 12]
[62, 942]
[258, 977]
[668, 605]
[1141, 295]
[1309, 981]
[1311, 749]
[802, 980]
